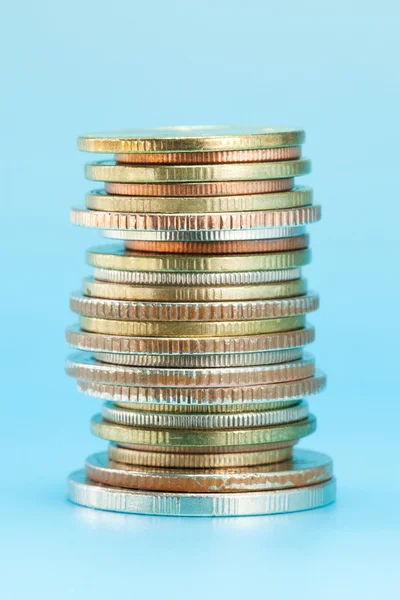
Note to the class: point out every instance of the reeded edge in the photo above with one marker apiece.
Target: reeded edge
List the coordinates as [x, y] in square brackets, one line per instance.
[97, 342]
[123, 142]
[86, 493]
[159, 420]
[205, 235]
[259, 394]
[298, 197]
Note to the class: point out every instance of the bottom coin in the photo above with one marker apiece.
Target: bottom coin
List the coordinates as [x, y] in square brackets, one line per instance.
[305, 468]
[88, 493]
[274, 453]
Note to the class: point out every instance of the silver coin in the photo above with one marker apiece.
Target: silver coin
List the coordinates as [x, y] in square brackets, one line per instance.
[203, 421]
[205, 235]
[212, 279]
[201, 360]
[95, 495]
[85, 368]
[184, 396]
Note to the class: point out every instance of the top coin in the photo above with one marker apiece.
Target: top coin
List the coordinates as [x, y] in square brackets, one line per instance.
[191, 139]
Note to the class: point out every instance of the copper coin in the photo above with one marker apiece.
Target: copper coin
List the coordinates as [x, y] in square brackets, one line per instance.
[207, 188]
[235, 247]
[305, 468]
[224, 156]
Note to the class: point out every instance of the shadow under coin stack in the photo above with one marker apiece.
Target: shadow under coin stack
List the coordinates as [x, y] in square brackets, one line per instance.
[193, 328]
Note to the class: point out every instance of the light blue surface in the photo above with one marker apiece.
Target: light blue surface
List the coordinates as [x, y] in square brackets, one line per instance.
[80, 66]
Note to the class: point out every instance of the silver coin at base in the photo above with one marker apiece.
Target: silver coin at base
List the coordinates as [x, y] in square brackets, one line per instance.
[204, 235]
[96, 495]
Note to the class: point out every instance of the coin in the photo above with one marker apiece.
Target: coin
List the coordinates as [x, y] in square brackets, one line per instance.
[192, 294]
[202, 437]
[217, 460]
[208, 408]
[157, 420]
[193, 311]
[305, 468]
[191, 329]
[203, 235]
[191, 139]
[110, 171]
[299, 196]
[297, 242]
[204, 188]
[223, 156]
[201, 360]
[116, 257]
[86, 368]
[186, 346]
[200, 279]
[290, 217]
[225, 396]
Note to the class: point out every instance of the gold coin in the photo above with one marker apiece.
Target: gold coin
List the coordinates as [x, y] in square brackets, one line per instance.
[169, 293]
[96, 342]
[204, 188]
[296, 198]
[291, 217]
[108, 170]
[243, 395]
[202, 438]
[191, 329]
[296, 242]
[223, 156]
[116, 257]
[191, 139]
[218, 460]
[85, 368]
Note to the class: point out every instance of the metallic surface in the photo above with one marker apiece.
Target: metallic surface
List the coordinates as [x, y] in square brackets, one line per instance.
[191, 139]
[299, 196]
[217, 460]
[193, 311]
[110, 171]
[191, 329]
[225, 396]
[284, 244]
[205, 188]
[85, 368]
[222, 156]
[95, 495]
[201, 360]
[201, 279]
[158, 420]
[290, 217]
[202, 437]
[305, 468]
[204, 235]
[116, 257]
[192, 294]
[84, 340]
[208, 408]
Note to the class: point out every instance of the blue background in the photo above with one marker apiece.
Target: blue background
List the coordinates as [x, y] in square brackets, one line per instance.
[95, 65]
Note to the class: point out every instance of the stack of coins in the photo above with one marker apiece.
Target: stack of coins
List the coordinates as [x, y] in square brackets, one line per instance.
[193, 327]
